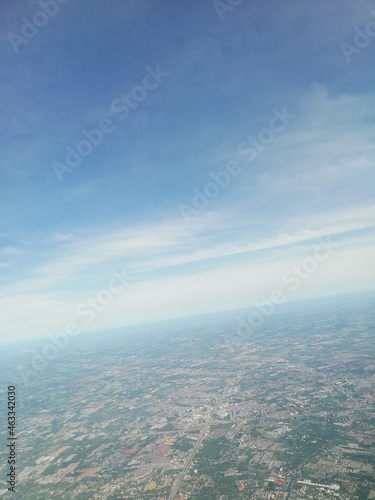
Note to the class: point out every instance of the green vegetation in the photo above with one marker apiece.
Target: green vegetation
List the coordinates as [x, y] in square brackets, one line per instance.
[183, 444]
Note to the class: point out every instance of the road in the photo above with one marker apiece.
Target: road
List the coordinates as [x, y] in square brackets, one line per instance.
[180, 477]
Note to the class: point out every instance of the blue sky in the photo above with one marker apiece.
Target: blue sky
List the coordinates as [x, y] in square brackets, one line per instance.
[120, 209]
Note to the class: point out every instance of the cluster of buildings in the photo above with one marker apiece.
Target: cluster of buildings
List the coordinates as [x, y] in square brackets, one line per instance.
[191, 415]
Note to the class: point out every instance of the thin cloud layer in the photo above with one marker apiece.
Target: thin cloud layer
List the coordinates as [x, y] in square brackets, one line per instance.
[119, 209]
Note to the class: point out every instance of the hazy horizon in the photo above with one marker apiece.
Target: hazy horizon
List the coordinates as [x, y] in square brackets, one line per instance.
[173, 160]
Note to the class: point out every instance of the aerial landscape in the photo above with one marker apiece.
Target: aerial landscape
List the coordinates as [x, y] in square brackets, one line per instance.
[187, 249]
[195, 409]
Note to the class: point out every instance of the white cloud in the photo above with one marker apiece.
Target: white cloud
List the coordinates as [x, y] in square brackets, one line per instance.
[221, 262]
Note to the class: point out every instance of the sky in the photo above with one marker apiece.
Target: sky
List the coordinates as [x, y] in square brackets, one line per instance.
[162, 159]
